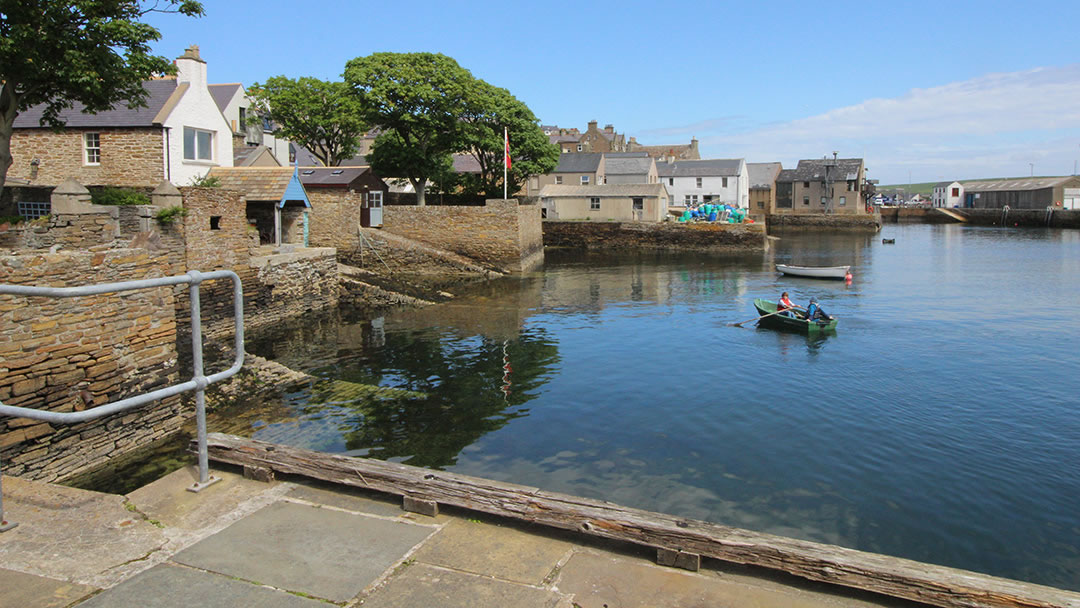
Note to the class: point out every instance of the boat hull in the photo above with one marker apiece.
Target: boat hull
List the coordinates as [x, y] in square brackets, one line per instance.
[801, 325]
[814, 272]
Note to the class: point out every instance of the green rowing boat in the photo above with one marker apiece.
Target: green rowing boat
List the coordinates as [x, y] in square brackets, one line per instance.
[799, 324]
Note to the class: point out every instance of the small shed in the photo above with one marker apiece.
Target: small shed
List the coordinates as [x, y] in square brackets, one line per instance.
[277, 203]
[335, 184]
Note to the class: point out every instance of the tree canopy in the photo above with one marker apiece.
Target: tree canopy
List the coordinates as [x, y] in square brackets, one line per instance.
[417, 99]
[57, 52]
[490, 109]
[318, 115]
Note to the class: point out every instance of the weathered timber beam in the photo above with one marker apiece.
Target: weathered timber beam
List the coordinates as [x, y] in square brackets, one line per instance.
[896, 577]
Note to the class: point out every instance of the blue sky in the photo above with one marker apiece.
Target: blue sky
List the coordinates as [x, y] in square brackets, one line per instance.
[934, 90]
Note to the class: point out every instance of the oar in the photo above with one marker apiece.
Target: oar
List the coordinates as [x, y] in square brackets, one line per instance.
[740, 324]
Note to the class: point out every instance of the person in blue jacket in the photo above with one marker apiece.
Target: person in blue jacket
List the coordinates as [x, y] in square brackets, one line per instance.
[815, 313]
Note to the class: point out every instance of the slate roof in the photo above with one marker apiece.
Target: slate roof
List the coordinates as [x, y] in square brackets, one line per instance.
[120, 116]
[467, 163]
[676, 150]
[330, 176]
[786, 175]
[223, 93]
[1024, 183]
[716, 167]
[644, 190]
[814, 169]
[257, 183]
[582, 162]
[622, 165]
[245, 155]
[762, 175]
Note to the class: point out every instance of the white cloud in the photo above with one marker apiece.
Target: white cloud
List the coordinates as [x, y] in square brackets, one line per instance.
[993, 125]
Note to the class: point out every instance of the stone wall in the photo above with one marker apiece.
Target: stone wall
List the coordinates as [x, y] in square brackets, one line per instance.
[291, 284]
[1060, 218]
[131, 157]
[501, 235]
[664, 236]
[58, 354]
[64, 231]
[821, 221]
[335, 214]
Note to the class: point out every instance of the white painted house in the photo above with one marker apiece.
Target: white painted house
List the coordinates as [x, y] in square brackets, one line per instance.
[235, 104]
[948, 195]
[691, 182]
[198, 136]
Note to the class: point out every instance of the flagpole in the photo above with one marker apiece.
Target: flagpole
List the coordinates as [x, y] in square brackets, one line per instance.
[506, 155]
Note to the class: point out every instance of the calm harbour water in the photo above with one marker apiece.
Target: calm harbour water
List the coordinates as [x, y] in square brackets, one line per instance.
[939, 423]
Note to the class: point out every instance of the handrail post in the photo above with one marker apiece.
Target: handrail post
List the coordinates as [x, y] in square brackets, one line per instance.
[205, 479]
[5, 525]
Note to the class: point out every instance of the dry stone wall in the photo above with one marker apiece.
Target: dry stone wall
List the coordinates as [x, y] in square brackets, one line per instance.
[500, 235]
[292, 284]
[664, 236]
[857, 223]
[67, 354]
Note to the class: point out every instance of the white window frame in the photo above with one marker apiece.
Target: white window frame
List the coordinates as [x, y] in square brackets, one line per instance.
[698, 181]
[843, 201]
[375, 199]
[594, 203]
[92, 149]
[558, 179]
[196, 148]
[584, 180]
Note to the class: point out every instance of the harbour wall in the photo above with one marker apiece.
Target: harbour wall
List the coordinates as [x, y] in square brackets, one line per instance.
[1058, 218]
[662, 236]
[780, 222]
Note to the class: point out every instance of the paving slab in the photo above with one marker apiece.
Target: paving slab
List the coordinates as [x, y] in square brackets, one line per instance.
[424, 586]
[344, 498]
[167, 500]
[30, 591]
[501, 551]
[71, 534]
[598, 580]
[322, 552]
[169, 586]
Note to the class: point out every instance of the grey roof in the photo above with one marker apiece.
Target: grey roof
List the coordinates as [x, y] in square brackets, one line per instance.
[626, 154]
[1024, 183]
[466, 163]
[786, 175]
[762, 175]
[245, 155]
[634, 165]
[555, 138]
[944, 184]
[814, 169]
[120, 116]
[644, 190]
[581, 162]
[330, 176]
[223, 93]
[717, 167]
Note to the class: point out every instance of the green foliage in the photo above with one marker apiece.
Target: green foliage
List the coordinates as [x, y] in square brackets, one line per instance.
[58, 52]
[11, 219]
[118, 196]
[420, 98]
[490, 109]
[206, 181]
[169, 215]
[318, 115]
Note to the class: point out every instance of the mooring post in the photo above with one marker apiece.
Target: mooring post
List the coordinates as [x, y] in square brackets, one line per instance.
[5, 525]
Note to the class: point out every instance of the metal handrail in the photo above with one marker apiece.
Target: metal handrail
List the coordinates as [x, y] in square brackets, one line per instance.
[198, 382]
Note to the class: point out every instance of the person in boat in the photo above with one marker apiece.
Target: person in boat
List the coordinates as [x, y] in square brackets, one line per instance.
[815, 313]
[785, 307]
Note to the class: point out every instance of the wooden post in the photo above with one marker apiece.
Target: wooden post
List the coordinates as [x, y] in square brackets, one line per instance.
[892, 576]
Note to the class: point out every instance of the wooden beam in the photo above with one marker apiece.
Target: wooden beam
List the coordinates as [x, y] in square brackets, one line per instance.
[892, 576]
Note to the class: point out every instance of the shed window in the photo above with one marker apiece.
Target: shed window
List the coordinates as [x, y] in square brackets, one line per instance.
[594, 203]
[639, 204]
[375, 199]
[198, 144]
[92, 149]
[558, 179]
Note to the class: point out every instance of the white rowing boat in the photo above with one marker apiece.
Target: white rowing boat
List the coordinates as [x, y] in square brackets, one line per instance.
[815, 272]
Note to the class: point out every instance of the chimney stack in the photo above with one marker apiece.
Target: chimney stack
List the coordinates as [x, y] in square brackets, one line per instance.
[191, 68]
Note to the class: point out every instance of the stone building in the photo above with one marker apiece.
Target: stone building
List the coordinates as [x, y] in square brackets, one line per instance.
[342, 198]
[276, 202]
[613, 202]
[827, 185]
[178, 137]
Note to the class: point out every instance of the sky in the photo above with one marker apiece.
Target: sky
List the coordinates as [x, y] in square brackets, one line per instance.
[923, 91]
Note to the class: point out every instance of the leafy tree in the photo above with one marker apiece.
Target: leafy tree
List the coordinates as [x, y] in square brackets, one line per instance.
[490, 109]
[420, 97]
[319, 115]
[57, 52]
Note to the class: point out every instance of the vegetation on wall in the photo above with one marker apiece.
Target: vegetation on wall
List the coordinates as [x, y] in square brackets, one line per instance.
[118, 196]
[168, 215]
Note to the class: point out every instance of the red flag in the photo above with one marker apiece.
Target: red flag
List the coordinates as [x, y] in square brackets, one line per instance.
[506, 140]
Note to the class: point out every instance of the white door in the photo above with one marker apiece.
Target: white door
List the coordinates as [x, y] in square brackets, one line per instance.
[1072, 199]
[375, 206]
